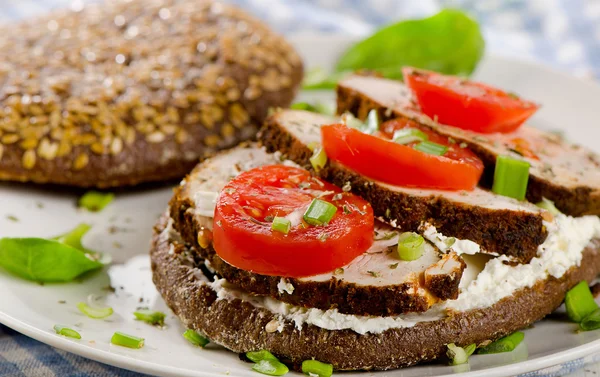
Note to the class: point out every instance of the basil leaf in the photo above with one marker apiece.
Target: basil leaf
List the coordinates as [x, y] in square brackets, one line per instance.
[449, 42]
[44, 260]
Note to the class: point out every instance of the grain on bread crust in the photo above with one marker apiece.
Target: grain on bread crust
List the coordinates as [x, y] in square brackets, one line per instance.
[241, 327]
[565, 173]
[410, 295]
[515, 233]
[126, 92]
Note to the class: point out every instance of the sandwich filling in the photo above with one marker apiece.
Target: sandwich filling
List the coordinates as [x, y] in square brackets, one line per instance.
[483, 284]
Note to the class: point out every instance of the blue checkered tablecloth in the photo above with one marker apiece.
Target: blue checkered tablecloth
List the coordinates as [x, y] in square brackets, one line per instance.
[562, 33]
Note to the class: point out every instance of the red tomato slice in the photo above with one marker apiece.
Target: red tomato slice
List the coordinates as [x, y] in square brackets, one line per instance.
[242, 233]
[467, 104]
[379, 158]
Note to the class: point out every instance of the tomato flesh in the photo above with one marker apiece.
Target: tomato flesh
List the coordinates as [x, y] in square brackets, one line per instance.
[242, 234]
[467, 104]
[378, 157]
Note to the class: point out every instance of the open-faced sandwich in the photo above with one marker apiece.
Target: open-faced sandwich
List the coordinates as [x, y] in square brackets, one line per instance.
[401, 232]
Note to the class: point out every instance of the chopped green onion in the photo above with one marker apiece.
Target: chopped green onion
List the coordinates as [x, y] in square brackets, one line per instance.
[579, 302]
[352, 122]
[591, 322]
[195, 338]
[511, 177]
[506, 344]
[281, 225]
[431, 148]
[270, 367]
[150, 317]
[66, 331]
[124, 340]
[549, 206]
[318, 107]
[257, 356]
[409, 135]
[319, 158]
[303, 106]
[459, 355]
[372, 124]
[319, 212]
[410, 246]
[95, 201]
[95, 313]
[312, 367]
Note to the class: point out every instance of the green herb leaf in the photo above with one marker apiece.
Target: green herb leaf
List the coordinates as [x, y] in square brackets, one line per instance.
[95, 201]
[42, 260]
[506, 344]
[318, 107]
[449, 42]
[73, 237]
[318, 79]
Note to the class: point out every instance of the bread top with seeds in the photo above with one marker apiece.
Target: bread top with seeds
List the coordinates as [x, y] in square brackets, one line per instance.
[83, 91]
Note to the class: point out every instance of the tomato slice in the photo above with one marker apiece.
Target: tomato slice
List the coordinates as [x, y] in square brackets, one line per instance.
[467, 104]
[242, 233]
[378, 157]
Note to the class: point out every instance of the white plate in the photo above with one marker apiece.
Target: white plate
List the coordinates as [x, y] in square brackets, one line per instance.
[124, 229]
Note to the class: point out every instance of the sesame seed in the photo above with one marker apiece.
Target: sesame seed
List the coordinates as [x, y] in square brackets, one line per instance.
[28, 160]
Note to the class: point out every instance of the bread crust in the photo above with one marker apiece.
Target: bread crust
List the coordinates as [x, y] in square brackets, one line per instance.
[132, 92]
[241, 327]
[499, 231]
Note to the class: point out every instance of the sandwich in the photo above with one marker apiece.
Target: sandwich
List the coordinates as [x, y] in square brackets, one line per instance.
[379, 238]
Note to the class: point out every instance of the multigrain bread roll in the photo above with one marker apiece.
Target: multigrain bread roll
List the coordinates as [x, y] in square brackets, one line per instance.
[135, 91]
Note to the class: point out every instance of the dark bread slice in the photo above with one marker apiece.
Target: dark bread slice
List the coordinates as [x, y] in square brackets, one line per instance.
[242, 327]
[565, 173]
[376, 283]
[501, 225]
[125, 92]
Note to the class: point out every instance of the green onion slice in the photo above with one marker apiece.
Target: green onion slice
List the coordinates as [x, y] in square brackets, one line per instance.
[410, 246]
[195, 338]
[591, 322]
[270, 368]
[506, 344]
[311, 367]
[549, 206]
[319, 212]
[124, 340]
[409, 135]
[372, 124]
[319, 158]
[66, 331]
[95, 313]
[432, 148]
[511, 177]
[281, 225]
[73, 237]
[257, 356]
[95, 201]
[579, 302]
[351, 121]
[150, 317]
[459, 355]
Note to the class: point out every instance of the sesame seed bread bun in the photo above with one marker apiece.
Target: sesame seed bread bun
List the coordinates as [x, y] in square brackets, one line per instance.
[241, 326]
[127, 92]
